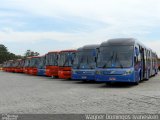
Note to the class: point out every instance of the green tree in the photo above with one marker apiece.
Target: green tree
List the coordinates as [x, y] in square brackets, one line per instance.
[3, 53]
[6, 55]
[30, 53]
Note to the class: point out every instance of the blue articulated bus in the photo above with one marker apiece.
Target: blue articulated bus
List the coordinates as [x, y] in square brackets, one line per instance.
[85, 63]
[42, 66]
[125, 60]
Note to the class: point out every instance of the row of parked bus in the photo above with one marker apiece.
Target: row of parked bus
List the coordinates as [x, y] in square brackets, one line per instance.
[116, 60]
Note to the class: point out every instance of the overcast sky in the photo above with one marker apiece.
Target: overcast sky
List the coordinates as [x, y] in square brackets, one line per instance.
[46, 25]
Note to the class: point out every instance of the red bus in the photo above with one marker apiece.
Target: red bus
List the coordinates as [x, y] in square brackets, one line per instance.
[33, 70]
[52, 64]
[9, 66]
[4, 66]
[65, 63]
[26, 65]
[18, 65]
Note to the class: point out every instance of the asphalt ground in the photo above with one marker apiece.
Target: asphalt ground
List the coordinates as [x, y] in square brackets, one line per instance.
[26, 94]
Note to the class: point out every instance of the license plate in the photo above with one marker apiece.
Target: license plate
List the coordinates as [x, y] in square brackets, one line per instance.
[112, 78]
[84, 77]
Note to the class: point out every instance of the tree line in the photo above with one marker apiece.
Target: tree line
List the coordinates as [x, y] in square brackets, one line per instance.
[6, 55]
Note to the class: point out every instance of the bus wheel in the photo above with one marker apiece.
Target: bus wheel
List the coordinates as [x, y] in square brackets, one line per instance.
[136, 83]
[108, 83]
[85, 81]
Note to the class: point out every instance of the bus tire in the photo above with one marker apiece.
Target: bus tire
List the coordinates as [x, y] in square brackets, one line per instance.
[108, 83]
[84, 81]
[136, 83]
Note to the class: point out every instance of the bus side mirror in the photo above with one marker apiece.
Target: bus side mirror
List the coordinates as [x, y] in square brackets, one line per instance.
[97, 50]
[95, 59]
[135, 59]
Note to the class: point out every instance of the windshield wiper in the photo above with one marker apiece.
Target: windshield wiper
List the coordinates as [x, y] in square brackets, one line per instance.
[78, 66]
[117, 59]
[89, 65]
[66, 60]
[106, 63]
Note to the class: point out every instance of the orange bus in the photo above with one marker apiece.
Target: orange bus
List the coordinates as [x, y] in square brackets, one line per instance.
[18, 65]
[65, 63]
[33, 70]
[52, 64]
[26, 65]
[9, 66]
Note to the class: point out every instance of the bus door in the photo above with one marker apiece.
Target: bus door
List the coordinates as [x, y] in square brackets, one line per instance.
[142, 63]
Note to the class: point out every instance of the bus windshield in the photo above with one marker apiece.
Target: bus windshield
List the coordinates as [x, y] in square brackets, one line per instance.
[16, 64]
[27, 61]
[52, 59]
[34, 62]
[42, 62]
[115, 57]
[9, 64]
[85, 59]
[66, 59]
[21, 63]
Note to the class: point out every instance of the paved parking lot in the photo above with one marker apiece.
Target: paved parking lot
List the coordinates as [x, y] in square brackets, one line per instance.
[20, 93]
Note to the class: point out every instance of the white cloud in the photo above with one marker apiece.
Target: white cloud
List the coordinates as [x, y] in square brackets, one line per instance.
[125, 18]
[154, 45]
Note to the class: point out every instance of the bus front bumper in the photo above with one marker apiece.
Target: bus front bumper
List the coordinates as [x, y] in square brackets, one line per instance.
[115, 78]
[41, 72]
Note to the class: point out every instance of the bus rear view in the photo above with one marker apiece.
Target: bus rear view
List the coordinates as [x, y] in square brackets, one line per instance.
[125, 60]
[85, 63]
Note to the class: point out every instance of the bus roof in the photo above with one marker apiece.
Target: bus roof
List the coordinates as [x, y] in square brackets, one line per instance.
[68, 51]
[119, 41]
[124, 41]
[88, 47]
[36, 56]
[53, 52]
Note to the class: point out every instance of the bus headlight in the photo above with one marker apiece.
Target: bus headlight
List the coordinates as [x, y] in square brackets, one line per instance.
[128, 72]
[74, 72]
[98, 72]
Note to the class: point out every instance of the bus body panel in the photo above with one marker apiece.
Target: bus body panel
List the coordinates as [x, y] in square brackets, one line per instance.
[26, 70]
[41, 72]
[19, 70]
[64, 72]
[81, 74]
[111, 75]
[33, 71]
[52, 71]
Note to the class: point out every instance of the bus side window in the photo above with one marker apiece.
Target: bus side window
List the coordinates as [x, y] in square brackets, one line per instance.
[136, 55]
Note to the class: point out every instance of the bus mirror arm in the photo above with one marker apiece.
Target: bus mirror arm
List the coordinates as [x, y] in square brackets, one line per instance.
[135, 60]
